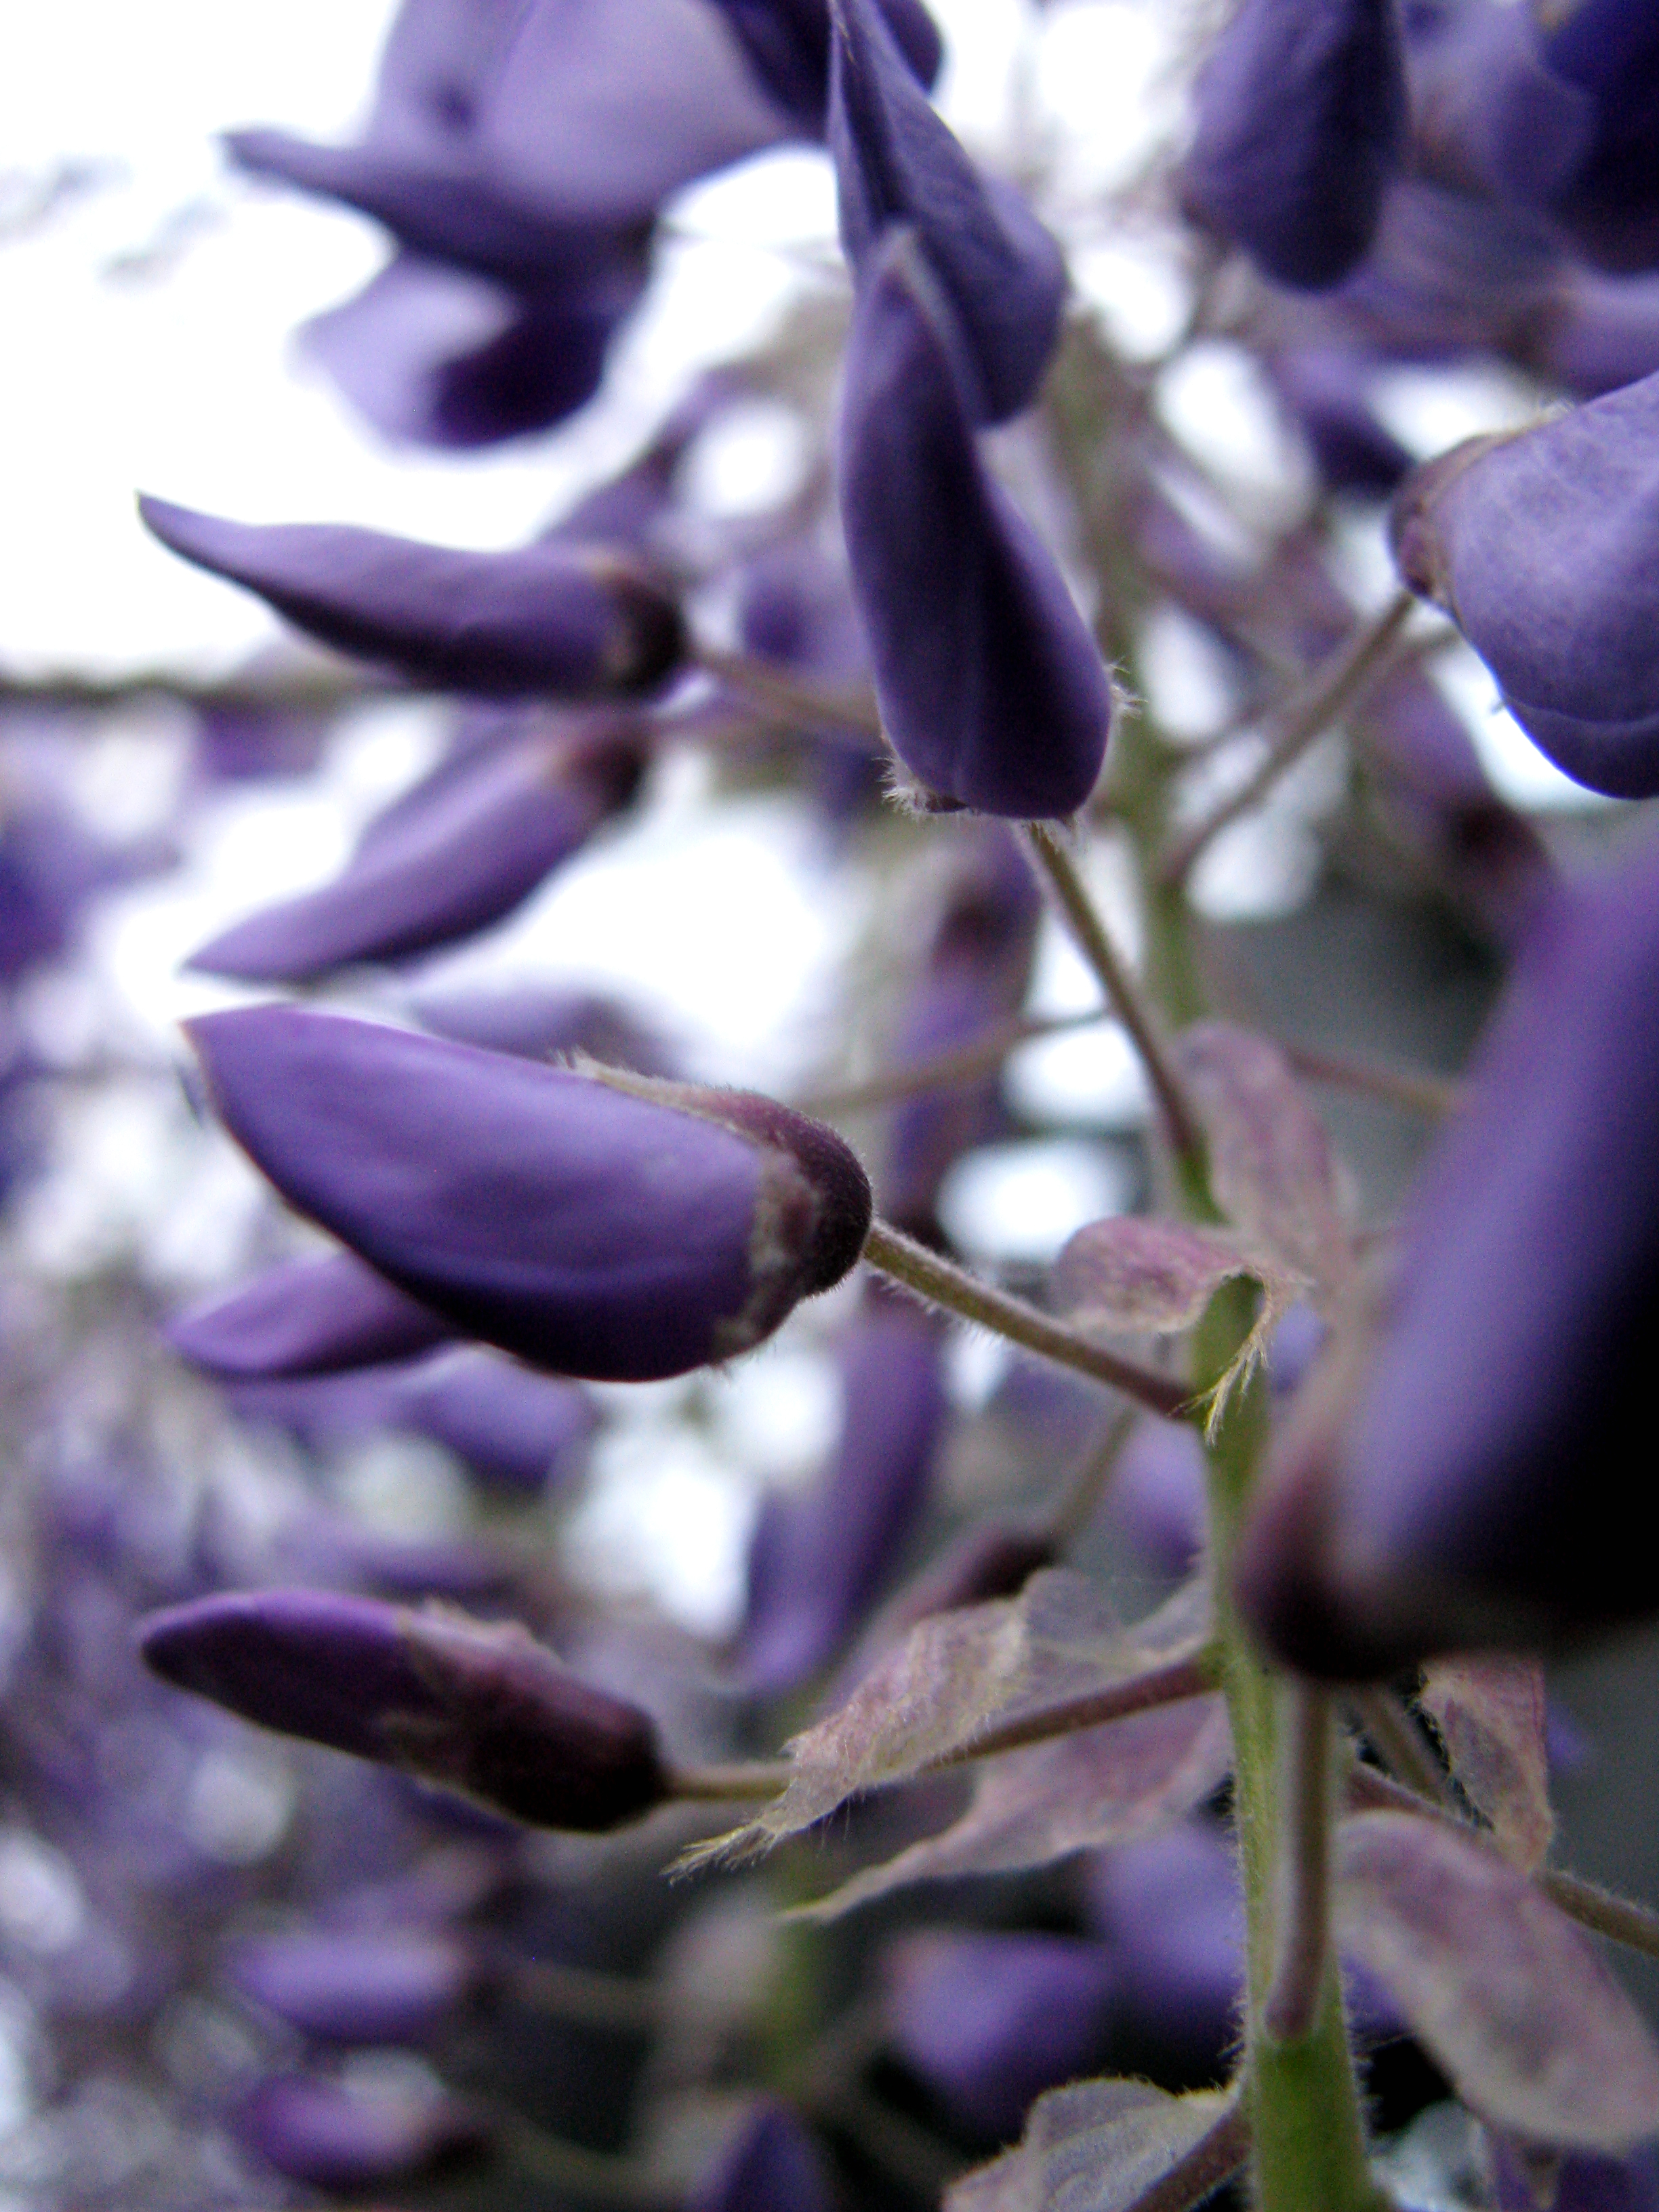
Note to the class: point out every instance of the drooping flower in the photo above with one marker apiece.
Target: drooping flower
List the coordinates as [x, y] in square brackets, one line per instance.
[548, 620]
[989, 684]
[615, 1234]
[1446, 1494]
[475, 1706]
[1302, 116]
[1540, 546]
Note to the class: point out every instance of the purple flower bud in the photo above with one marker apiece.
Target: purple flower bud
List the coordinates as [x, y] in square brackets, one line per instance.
[511, 1427]
[818, 1562]
[770, 2164]
[332, 2138]
[307, 1317]
[474, 1707]
[1302, 116]
[1324, 391]
[545, 621]
[1541, 548]
[989, 2021]
[1172, 1914]
[788, 44]
[1448, 1497]
[458, 852]
[899, 167]
[1603, 333]
[542, 1024]
[343, 1985]
[1155, 1503]
[989, 684]
[431, 354]
[617, 1234]
[1609, 51]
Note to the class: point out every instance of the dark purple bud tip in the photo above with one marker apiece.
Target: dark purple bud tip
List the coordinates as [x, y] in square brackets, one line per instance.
[478, 1707]
[550, 620]
[590, 1229]
[1544, 549]
[990, 687]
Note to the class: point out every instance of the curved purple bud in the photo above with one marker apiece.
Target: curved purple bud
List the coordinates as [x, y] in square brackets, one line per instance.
[1324, 391]
[306, 1317]
[617, 1234]
[511, 1427]
[1543, 549]
[819, 1562]
[431, 354]
[465, 849]
[897, 166]
[1447, 1497]
[541, 1023]
[990, 2021]
[333, 2137]
[541, 620]
[771, 2164]
[990, 687]
[1302, 117]
[475, 1706]
[350, 1985]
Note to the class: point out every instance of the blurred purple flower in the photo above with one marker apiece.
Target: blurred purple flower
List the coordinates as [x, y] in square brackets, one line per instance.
[1324, 390]
[818, 1562]
[897, 167]
[333, 2137]
[306, 1317]
[458, 853]
[541, 1022]
[1452, 1503]
[1540, 546]
[771, 2164]
[543, 621]
[1302, 116]
[589, 1228]
[990, 686]
[354, 1986]
[990, 2021]
[474, 1707]
[1155, 1502]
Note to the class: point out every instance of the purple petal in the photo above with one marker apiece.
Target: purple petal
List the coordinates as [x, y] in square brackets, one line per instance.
[770, 2164]
[474, 1707]
[989, 2021]
[308, 1317]
[1302, 114]
[990, 687]
[896, 166]
[541, 620]
[1324, 389]
[590, 1232]
[345, 1986]
[788, 44]
[490, 834]
[1542, 547]
[332, 2138]
[1456, 1505]
[434, 355]
[513, 1428]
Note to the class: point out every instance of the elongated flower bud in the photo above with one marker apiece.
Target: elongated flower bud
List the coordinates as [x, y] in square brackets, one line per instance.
[990, 687]
[552, 620]
[1544, 549]
[617, 1235]
[334, 2137]
[307, 1317]
[898, 166]
[474, 1707]
[455, 856]
[1301, 121]
[1456, 1491]
[355, 1986]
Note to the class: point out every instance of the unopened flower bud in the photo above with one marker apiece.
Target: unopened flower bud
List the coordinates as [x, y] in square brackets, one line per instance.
[989, 684]
[1543, 549]
[619, 1234]
[333, 2137]
[306, 1317]
[356, 1986]
[1302, 116]
[546, 621]
[475, 1706]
